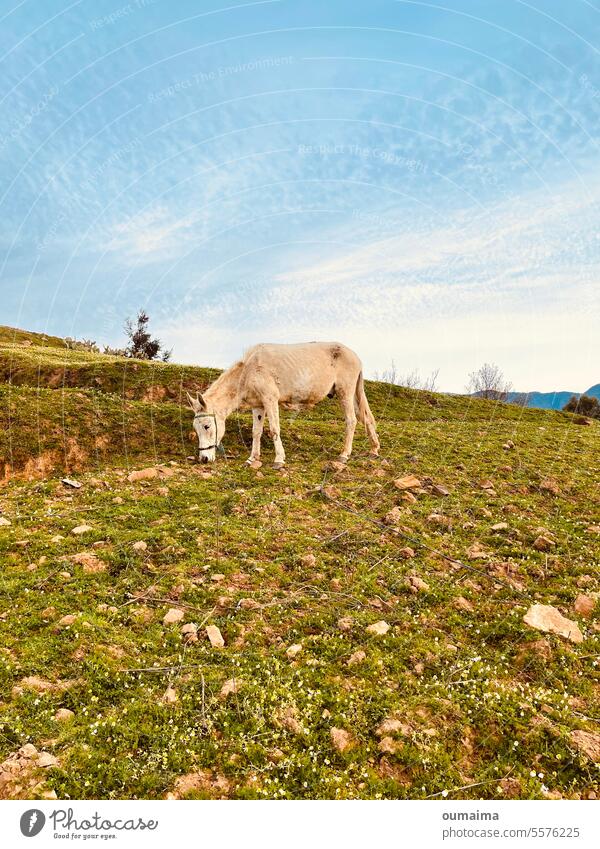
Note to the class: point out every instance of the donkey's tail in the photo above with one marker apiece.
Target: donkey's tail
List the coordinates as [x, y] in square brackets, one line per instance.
[364, 414]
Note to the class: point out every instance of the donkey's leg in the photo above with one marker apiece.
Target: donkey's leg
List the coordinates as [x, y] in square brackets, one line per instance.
[347, 403]
[272, 411]
[258, 421]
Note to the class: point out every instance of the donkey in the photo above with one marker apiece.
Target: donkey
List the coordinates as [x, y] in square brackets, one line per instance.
[293, 376]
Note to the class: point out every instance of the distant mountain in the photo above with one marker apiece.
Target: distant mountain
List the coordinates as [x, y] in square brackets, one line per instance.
[553, 400]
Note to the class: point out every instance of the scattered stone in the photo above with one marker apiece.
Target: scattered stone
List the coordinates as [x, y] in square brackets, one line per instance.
[45, 760]
[71, 482]
[500, 526]
[584, 605]
[173, 615]
[292, 651]
[392, 726]
[388, 746]
[407, 552]
[308, 560]
[543, 543]
[49, 613]
[90, 562]
[546, 618]
[67, 620]
[189, 632]
[56, 538]
[378, 628]
[162, 490]
[215, 637]
[356, 658]
[345, 623]
[418, 584]
[477, 552]
[440, 519]
[117, 500]
[4, 522]
[408, 482]
[288, 719]
[549, 485]
[140, 545]
[393, 517]
[438, 489]
[593, 529]
[486, 484]
[142, 474]
[541, 648]
[170, 696]
[217, 577]
[63, 715]
[588, 743]
[461, 603]
[230, 687]
[508, 445]
[248, 604]
[82, 529]
[408, 497]
[341, 739]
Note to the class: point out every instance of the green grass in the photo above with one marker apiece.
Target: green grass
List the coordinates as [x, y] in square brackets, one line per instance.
[482, 709]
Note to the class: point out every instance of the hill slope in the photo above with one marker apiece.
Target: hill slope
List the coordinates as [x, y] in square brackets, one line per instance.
[305, 698]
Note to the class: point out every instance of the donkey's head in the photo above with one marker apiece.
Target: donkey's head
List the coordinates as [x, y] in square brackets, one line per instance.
[209, 425]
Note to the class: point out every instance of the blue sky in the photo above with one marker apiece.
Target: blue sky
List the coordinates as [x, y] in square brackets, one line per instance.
[420, 181]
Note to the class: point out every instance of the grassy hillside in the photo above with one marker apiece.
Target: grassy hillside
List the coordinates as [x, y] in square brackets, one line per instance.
[458, 697]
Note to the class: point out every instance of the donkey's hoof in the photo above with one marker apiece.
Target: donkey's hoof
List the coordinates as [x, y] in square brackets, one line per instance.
[343, 458]
[278, 466]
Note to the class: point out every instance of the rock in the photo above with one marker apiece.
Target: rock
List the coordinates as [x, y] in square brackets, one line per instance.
[341, 739]
[486, 484]
[584, 605]
[90, 562]
[543, 543]
[588, 743]
[66, 621]
[170, 696]
[173, 615]
[500, 526]
[541, 648]
[308, 560]
[477, 552]
[549, 485]
[248, 604]
[215, 637]
[142, 474]
[408, 482]
[140, 545]
[82, 529]
[217, 577]
[288, 719]
[462, 603]
[45, 760]
[438, 489]
[71, 482]
[63, 715]
[388, 745]
[393, 517]
[117, 500]
[28, 751]
[292, 651]
[440, 519]
[593, 529]
[508, 445]
[407, 552]
[408, 497]
[546, 618]
[378, 628]
[392, 726]
[4, 522]
[230, 687]
[189, 632]
[418, 584]
[49, 613]
[162, 490]
[356, 658]
[345, 623]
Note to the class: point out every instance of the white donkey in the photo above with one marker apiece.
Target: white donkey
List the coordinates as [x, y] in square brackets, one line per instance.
[293, 376]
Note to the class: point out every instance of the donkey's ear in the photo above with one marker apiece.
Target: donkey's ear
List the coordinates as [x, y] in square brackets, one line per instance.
[193, 402]
[201, 401]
